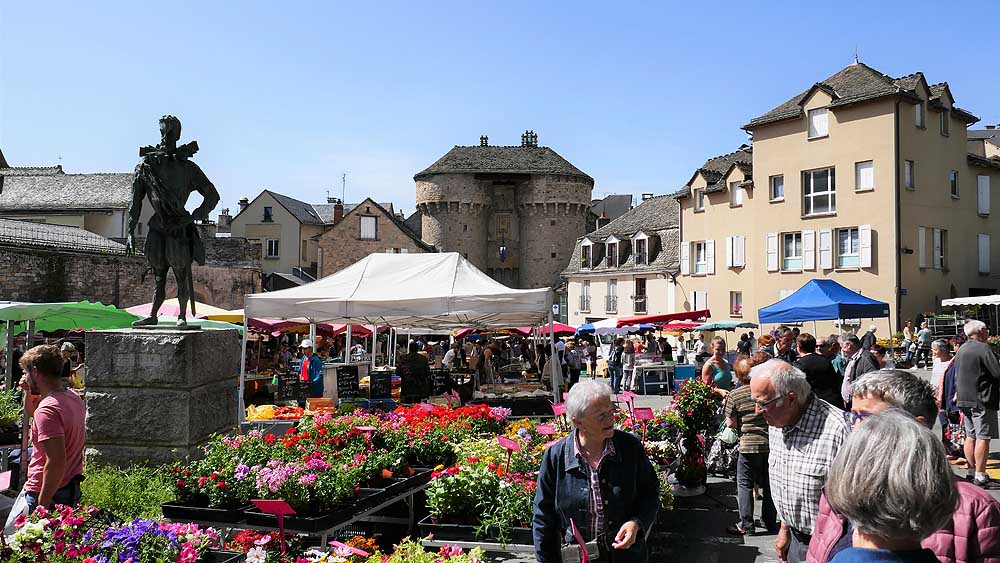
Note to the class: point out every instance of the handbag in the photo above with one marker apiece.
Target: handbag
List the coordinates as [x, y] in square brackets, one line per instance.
[580, 551]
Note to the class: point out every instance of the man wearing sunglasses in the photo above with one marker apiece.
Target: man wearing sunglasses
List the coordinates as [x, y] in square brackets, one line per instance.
[970, 536]
[805, 434]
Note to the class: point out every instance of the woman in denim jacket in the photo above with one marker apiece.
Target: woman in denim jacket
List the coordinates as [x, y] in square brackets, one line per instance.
[601, 479]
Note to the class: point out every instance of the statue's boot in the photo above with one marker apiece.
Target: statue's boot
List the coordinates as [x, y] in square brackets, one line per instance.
[181, 321]
[148, 321]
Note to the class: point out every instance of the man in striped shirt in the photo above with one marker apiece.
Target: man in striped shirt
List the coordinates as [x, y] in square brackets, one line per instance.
[805, 434]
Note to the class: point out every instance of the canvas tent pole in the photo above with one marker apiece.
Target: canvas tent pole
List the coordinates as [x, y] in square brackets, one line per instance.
[554, 361]
[23, 467]
[240, 407]
[9, 376]
[347, 344]
[312, 333]
[29, 337]
[374, 335]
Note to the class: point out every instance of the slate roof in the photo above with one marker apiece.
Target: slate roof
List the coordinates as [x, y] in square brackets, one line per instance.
[64, 192]
[716, 168]
[31, 170]
[613, 206]
[396, 221]
[416, 224]
[991, 136]
[658, 217]
[855, 83]
[301, 210]
[502, 160]
[976, 160]
[44, 235]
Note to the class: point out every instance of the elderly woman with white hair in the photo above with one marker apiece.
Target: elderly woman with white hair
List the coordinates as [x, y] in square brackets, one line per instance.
[597, 479]
[892, 502]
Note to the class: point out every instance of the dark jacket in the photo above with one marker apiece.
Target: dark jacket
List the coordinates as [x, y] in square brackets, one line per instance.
[822, 378]
[630, 489]
[790, 356]
[865, 363]
[977, 376]
[868, 340]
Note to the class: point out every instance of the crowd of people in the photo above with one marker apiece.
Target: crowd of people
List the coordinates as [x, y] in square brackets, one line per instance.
[841, 448]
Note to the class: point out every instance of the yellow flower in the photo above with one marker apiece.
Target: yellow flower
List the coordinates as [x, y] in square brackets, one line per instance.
[439, 467]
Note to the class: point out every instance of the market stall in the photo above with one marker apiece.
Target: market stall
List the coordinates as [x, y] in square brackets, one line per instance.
[418, 291]
[823, 300]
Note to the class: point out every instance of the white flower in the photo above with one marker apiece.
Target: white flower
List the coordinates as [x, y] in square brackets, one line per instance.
[256, 555]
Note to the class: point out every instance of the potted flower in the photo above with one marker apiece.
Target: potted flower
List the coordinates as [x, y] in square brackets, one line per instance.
[10, 416]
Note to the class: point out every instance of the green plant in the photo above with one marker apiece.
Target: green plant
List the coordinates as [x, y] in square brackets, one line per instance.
[133, 492]
[696, 403]
[456, 495]
[666, 491]
[410, 551]
[10, 408]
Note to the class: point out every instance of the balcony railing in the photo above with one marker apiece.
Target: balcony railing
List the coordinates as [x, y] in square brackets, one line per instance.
[611, 304]
[640, 304]
[584, 302]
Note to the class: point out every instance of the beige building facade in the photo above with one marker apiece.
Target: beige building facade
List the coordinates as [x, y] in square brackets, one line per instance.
[626, 267]
[863, 179]
[284, 228]
[368, 228]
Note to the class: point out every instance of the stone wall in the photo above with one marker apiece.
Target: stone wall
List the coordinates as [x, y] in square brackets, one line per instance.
[340, 246]
[157, 395]
[50, 276]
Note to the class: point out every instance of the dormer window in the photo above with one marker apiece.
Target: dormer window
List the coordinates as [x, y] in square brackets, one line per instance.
[818, 123]
[699, 200]
[919, 114]
[267, 215]
[613, 254]
[586, 256]
[640, 251]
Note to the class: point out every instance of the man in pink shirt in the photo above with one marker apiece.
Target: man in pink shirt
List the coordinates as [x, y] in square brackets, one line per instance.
[58, 430]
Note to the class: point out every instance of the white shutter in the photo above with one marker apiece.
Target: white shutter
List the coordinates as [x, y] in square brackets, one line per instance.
[818, 124]
[922, 246]
[826, 249]
[936, 258]
[740, 251]
[685, 258]
[864, 176]
[730, 255]
[984, 254]
[772, 252]
[710, 256]
[808, 250]
[983, 183]
[865, 243]
[701, 300]
[693, 300]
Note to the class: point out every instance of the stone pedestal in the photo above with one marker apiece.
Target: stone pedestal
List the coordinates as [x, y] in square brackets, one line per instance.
[157, 395]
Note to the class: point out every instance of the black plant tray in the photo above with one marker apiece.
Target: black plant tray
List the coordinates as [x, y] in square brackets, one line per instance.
[467, 532]
[313, 523]
[222, 556]
[185, 513]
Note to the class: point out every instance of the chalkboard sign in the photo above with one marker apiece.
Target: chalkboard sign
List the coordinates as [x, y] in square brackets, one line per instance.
[291, 387]
[439, 379]
[380, 384]
[347, 382]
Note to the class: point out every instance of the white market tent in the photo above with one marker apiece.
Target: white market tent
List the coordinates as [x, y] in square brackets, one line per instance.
[437, 291]
[962, 301]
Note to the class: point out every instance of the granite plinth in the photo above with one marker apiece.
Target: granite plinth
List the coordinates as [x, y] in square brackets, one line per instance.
[157, 395]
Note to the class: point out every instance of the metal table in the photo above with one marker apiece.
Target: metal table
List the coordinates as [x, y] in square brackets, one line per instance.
[642, 372]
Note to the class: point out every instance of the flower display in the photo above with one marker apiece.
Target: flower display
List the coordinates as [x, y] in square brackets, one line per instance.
[410, 551]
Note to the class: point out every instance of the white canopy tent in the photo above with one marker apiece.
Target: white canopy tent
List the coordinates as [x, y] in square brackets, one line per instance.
[436, 291]
[962, 301]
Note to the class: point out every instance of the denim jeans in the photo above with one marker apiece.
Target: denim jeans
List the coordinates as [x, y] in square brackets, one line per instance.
[750, 469]
[615, 372]
[66, 496]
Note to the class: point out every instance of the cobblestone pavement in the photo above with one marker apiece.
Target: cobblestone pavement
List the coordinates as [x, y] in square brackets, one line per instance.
[696, 529]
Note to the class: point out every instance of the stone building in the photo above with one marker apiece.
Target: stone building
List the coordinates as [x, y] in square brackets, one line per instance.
[97, 203]
[367, 228]
[515, 212]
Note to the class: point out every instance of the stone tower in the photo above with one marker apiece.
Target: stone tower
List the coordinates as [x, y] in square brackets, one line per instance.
[515, 212]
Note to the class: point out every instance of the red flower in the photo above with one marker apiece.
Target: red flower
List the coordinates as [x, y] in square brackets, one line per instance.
[221, 484]
[181, 483]
[270, 439]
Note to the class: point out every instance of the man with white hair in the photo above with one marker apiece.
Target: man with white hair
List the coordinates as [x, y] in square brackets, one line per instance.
[977, 384]
[805, 434]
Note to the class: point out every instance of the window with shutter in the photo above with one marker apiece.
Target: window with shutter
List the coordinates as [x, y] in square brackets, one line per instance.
[736, 193]
[771, 248]
[791, 252]
[368, 228]
[826, 249]
[685, 258]
[945, 123]
[909, 177]
[710, 256]
[922, 246]
[940, 248]
[865, 243]
[984, 254]
[740, 248]
[953, 183]
[777, 188]
[848, 248]
[819, 194]
[700, 252]
[818, 124]
[983, 187]
[864, 176]
[919, 115]
[808, 250]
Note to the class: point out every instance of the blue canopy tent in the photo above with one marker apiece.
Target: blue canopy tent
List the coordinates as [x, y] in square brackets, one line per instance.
[823, 300]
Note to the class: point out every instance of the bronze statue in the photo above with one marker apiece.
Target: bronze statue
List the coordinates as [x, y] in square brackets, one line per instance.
[167, 177]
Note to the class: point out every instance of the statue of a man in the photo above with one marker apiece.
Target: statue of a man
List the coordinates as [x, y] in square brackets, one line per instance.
[167, 177]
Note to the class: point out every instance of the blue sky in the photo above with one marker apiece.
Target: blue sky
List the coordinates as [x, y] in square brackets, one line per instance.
[289, 95]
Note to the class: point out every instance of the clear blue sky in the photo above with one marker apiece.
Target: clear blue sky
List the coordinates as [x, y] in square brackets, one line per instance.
[288, 95]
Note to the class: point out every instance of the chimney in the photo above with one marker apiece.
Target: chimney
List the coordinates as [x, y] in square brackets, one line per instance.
[484, 141]
[647, 196]
[225, 219]
[244, 203]
[338, 210]
[529, 139]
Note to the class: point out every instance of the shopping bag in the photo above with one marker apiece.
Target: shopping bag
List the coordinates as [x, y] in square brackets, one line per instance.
[20, 507]
[728, 436]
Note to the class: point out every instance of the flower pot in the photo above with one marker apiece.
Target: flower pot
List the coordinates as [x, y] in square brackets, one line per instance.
[222, 556]
[180, 512]
[467, 532]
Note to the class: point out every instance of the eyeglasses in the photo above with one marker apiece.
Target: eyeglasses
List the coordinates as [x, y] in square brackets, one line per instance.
[859, 416]
[763, 405]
